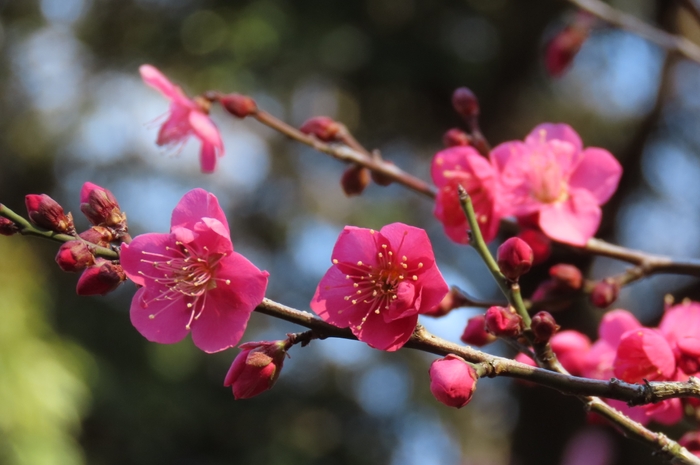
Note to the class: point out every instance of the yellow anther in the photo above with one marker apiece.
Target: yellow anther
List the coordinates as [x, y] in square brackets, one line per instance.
[335, 261]
[415, 278]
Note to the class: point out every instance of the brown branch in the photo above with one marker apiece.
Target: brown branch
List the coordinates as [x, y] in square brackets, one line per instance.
[692, 8]
[634, 394]
[671, 42]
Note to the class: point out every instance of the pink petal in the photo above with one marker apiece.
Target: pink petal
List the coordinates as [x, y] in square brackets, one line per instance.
[154, 78]
[205, 129]
[573, 221]
[458, 159]
[458, 233]
[668, 412]
[550, 131]
[614, 324]
[168, 325]
[411, 242]
[207, 158]
[195, 205]
[356, 244]
[433, 289]
[141, 248]
[177, 128]
[644, 354]
[571, 347]
[599, 173]
[681, 321]
[329, 301]
[403, 305]
[236, 368]
[386, 336]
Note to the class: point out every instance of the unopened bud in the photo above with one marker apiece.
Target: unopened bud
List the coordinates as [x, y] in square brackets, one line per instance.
[453, 299]
[74, 256]
[100, 279]
[256, 368]
[45, 212]
[514, 258]
[382, 179]
[543, 326]
[7, 227]
[605, 293]
[100, 207]
[465, 102]
[354, 180]
[238, 105]
[540, 244]
[503, 322]
[98, 235]
[456, 137]
[452, 381]
[567, 277]
[475, 333]
[563, 47]
[323, 127]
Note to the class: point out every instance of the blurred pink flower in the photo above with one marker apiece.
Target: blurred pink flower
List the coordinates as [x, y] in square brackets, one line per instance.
[192, 279]
[464, 165]
[379, 282]
[681, 327]
[187, 118]
[550, 174]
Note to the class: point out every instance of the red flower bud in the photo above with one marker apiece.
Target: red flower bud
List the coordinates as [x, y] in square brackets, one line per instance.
[514, 258]
[567, 277]
[100, 207]
[465, 102]
[453, 299]
[475, 333]
[382, 179]
[540, 244]
[452, 381]
[238, 105]
[45, 212]
[605, 293]
[456, 137]
[98, 235]
[543, 326]
[563, 47]
[7, 227]
[354, 180]
[503, 322]
[101, 278]
[256, 368]
[74, 256]
[323, 127]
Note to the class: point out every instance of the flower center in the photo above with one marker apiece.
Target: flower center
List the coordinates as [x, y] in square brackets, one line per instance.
[185, 274]
[546, 180]
[379, 286]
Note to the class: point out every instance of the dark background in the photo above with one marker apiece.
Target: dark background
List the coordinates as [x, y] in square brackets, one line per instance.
[79, 385]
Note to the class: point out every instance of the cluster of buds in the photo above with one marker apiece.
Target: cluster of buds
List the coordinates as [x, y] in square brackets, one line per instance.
[99, 275]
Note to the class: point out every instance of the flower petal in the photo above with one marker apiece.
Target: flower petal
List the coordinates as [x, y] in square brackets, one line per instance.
[162, 321]
[643, 353]
[356, 244]
[207, 158]
[551, 131]
[614, 324]
[195, 205]
[205, 129]
[154, 78]
[136, 256]
[329, 301]
[573, 221]
[386, 336]
[433, 290]
[599, 173]
[411, 242]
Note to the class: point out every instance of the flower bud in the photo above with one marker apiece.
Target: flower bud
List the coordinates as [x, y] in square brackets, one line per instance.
[74, 256]
[605, 293]
[465, 102]
[475, 333]
[567, 277]
[100, 207]
[238, 105]
[98, 235]
[452, 381]
[256, 368]
[45, 212]
[563, 47]
[453, 299]
[543, 326]
[354, 180]
[503, 322]
[456, 137]
[101, 278]
[514, 258]
[323, 127]
[7, 227]
[540, 244]
[382, 179]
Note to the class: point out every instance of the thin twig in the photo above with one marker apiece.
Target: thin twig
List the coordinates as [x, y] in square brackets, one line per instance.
[672, 43]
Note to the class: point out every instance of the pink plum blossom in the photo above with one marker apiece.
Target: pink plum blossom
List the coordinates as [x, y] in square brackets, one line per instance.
[464, 166]
[681, 327]
[191, 278]
[452, 381]
[550, 174]
[188, 117]
[379, 282]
